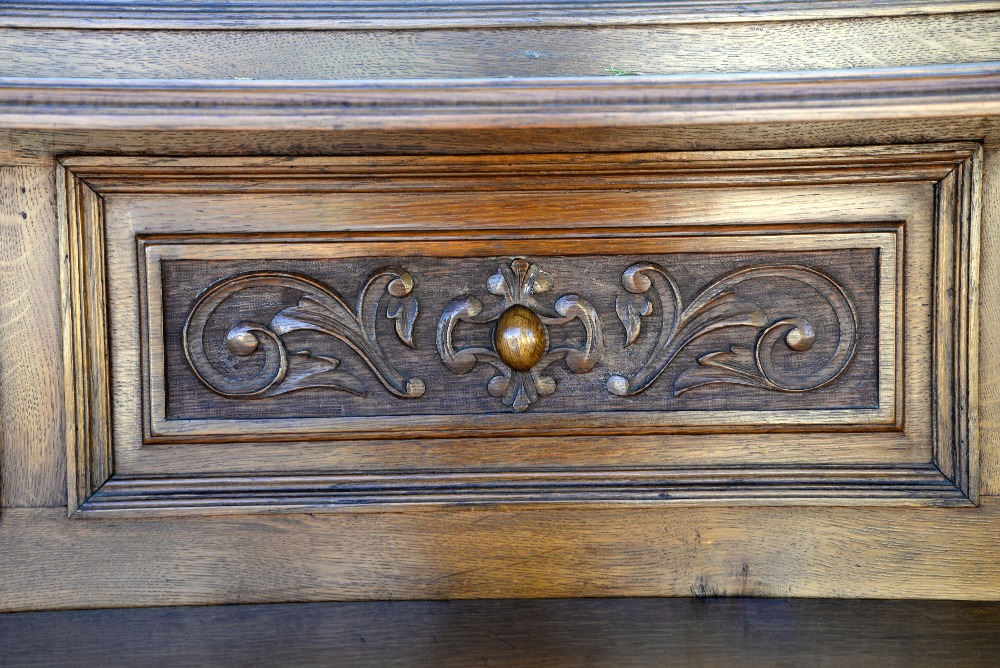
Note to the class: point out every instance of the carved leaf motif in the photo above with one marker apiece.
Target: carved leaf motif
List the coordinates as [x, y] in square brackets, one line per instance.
[733, 366]
[630, 311]
[313, 315]
[306, 370]
[320, 309]
[717, 307]
[404, 312]
[721, 311]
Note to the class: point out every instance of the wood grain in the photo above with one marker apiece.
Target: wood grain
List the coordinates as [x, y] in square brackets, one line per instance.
[989, 391]
[344, 80]
[587, 632]
[33, 462]
[912, 92]
[87, 379]
[404, 14]
[35, 147]
[500, 553]
[773, 46]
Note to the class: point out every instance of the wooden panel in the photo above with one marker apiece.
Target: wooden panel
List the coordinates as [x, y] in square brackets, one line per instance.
[501, 553]
[176, 447]
[566, 513]
[775, 46]
[313, 14]
[32, 470]
[990, 345]
[251, 283]
[34, 147]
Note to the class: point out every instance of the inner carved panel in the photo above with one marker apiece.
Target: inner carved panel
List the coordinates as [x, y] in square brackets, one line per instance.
[414, 335]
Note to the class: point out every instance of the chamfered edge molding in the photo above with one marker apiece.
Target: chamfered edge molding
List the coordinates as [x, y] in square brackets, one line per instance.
[937, 91]
[403, 14]
[949, 479]
[86, 387]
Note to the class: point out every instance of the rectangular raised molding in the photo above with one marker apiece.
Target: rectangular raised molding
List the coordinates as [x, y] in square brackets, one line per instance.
[381, 288]
[582, 296]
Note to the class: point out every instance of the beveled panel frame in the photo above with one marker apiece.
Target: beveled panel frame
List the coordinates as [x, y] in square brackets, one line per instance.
[151, 471]
[885, 240]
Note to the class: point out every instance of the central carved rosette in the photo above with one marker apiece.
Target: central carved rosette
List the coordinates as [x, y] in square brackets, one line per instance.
[521, 347]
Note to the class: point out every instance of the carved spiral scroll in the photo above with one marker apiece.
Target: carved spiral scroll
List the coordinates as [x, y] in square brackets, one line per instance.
[320, 309]
[717, 307]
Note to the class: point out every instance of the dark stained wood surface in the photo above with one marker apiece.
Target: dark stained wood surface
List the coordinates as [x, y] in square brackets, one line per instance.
[588, 632]
[596, 279]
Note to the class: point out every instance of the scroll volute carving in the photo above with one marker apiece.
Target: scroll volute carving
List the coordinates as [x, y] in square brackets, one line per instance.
[521, 346]
[717, 307]
[320, 309]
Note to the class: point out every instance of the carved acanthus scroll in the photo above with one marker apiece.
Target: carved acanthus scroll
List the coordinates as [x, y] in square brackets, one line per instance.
[320, 309]
[521, 345]
[717, 307]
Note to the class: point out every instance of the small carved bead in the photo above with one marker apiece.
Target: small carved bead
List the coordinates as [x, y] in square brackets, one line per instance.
[241, 341]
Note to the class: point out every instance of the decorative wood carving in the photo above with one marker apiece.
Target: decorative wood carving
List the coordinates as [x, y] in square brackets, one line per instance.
[857, 138]
[320, 309]
[182, 270]
[147, 437]
[717, 307]
[521, 345]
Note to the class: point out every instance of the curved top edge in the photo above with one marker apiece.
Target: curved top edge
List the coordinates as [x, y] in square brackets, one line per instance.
[446, 14]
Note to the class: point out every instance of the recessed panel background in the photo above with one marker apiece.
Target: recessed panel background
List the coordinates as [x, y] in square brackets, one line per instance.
[595, 278]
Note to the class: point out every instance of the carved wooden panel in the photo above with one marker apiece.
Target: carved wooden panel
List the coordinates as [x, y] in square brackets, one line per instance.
[741, 327]
[747, 337]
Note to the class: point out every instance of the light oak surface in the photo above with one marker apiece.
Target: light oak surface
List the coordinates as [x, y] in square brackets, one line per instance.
[495, 102]
[990, 345]
[30, 405]
[778, 46]
[498, 552]
[319, 15]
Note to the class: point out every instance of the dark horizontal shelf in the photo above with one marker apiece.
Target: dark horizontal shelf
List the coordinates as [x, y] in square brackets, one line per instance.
[582, 632]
